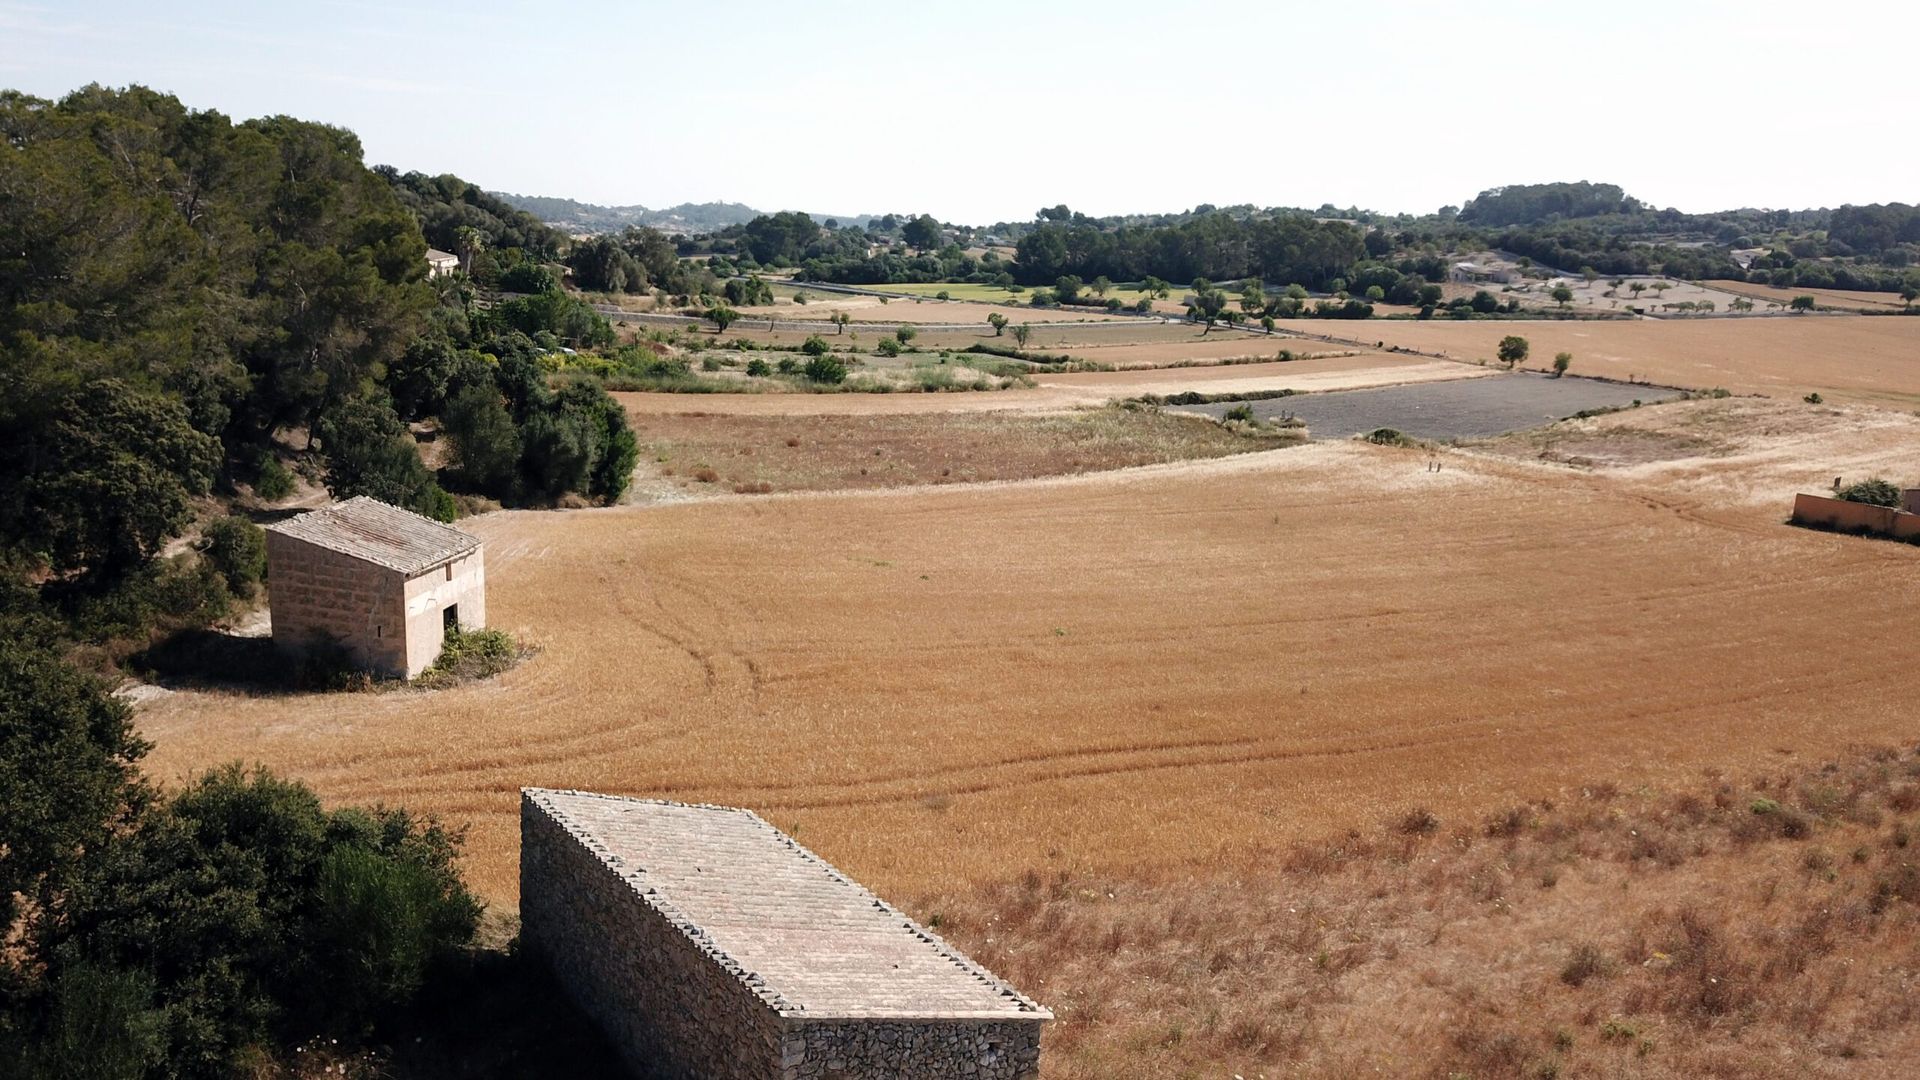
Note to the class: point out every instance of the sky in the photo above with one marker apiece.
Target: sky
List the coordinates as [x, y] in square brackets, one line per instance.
[985, 111]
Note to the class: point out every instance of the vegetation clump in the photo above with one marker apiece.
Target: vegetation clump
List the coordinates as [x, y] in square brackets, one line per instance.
[1873, 491]
[467, 655]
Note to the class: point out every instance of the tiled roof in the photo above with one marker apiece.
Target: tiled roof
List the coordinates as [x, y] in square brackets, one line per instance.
[804, 937]
[436, 255]
[381, 534]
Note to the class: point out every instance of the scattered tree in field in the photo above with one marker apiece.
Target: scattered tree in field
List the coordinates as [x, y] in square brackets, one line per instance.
[1297, 291]
[1253, 295]
[1589, 274]
[1513, 350]
[1066, 288]
[1910, 294]
[1561, 361]
[1376, 294]
[1637, 288]
[1803, 303]
[997, 321]
[887, 346]
[1562, 295]
[1100, 286]
[1740, 303]
[905, 334]
[1266, 323]
[722, 317]
[1021, 332]
[840, 319]
[1660, 287]
[815, 345]
[1156, 288]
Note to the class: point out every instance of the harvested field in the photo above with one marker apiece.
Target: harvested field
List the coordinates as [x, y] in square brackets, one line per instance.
[1127, 673]
[1836, 298]
[1843, 358]
[1454, 409]
[1067, 390]
[708, 452]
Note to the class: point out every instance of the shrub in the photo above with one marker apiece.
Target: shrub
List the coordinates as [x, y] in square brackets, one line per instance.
[758, 368]
[1584, 963]
[1562, 361]
[237, 548]
[815, 346]
[905, 334]
[271, 480]
[1873, 491]
[1814, 398]
[1387, 436]
[826, 369]
[471, 654]
[887, 347]
[1241, 412]
[787, 365]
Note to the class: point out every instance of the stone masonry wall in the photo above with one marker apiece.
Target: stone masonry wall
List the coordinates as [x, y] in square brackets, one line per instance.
[677, 1008]
[662, 997]
[916, 1049]
[315, 594]
[462, 581]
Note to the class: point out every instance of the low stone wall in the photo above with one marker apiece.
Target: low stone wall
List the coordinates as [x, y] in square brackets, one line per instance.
[676, 1006]
[933, 1050]
[665, 1001]
[1847, 516]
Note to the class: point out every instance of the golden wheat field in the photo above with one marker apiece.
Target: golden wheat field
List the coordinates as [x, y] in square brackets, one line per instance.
[1135, 670]
[1845, 358]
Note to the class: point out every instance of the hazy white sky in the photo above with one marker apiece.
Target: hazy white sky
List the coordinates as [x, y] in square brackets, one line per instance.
[986, 110]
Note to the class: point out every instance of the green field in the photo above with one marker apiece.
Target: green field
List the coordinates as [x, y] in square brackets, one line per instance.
[994, 294]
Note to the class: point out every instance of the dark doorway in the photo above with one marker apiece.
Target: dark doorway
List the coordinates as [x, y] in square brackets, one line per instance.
[450, 618]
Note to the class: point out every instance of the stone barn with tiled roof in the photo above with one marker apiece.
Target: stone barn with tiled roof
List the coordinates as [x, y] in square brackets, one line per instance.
[383, 582]
[708, 944]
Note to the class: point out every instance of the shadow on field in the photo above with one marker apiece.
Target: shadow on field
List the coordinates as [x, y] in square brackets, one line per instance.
[494, 1016]
[210, 660]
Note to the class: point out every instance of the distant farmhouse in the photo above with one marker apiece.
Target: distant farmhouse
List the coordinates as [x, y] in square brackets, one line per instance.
[708, 945]
[1473, 273]
[441, 263]
[383, 582]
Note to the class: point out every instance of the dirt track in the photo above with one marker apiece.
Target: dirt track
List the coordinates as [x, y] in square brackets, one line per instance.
[1133, 669]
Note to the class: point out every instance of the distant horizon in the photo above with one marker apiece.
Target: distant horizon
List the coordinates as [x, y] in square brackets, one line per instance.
[876, 105]
[821, 216]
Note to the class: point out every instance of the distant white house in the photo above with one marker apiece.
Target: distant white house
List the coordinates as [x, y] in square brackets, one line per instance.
[1475, 273]
[441, 263]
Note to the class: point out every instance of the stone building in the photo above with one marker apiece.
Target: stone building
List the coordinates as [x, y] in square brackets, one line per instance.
[384, 582]
[441, 263]
[708, 945]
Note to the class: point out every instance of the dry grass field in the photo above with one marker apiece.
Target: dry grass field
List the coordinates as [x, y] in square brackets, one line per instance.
[1124, 672]
[1760, 923]
[1844, 358]
[708, 453]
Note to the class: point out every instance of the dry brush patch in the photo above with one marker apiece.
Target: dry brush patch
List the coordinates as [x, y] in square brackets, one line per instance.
[763, 454]
[1764, 923]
